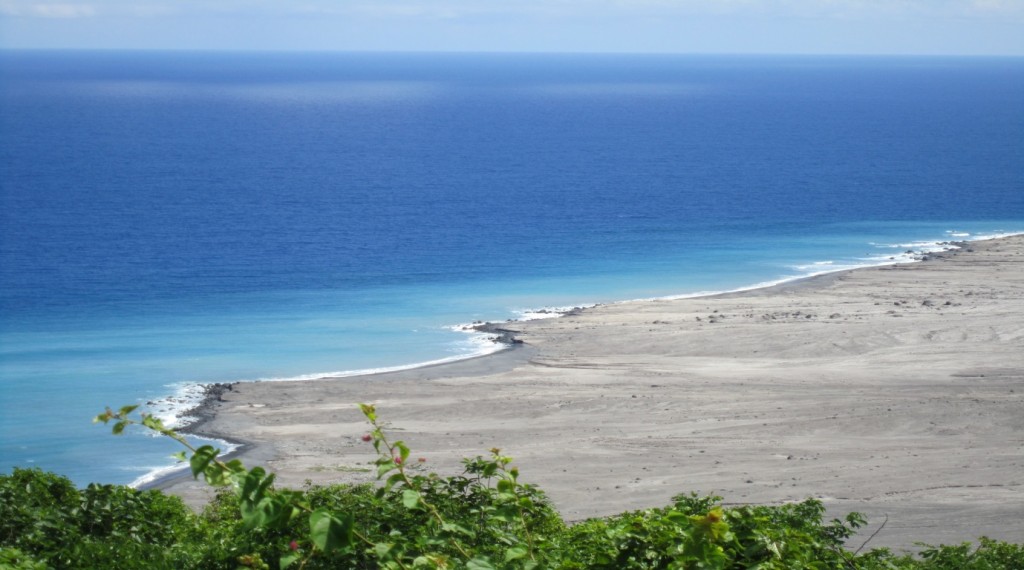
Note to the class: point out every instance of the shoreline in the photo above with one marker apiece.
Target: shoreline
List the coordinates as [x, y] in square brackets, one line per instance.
[203, 411]
[507, 358]
[890, 390]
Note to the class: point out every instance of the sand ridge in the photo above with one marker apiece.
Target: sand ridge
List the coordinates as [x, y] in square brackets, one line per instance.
[896, 391]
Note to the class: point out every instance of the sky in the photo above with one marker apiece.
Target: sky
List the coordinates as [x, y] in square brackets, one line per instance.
[900, 27]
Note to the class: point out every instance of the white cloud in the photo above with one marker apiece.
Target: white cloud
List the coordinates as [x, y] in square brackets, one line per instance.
[47, 10]
[547, 9]
[63, 10]
[789, 26]
[997, 7]
[827, 9]
[864, 10]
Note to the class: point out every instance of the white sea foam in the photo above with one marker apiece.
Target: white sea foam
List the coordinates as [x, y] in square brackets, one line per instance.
[521, 315]
[920, 246]
[815, 266]
[381, 370]
[913, 252]
[477, 344]
[173, 410]
[156, 473]
[995, 235]
[547, 312]
[933, 246]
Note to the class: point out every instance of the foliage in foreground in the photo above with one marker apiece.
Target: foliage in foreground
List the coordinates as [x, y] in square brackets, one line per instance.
[483, 518]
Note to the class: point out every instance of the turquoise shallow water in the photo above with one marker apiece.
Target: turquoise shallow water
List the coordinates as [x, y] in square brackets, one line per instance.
[173, 219]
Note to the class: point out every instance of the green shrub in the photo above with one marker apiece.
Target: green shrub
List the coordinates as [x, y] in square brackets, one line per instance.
[36, 514]
[482, 518]
[987, 555]
[45, 516]
[14, 559]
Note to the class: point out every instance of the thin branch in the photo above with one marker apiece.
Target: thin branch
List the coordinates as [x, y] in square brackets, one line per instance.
[431, 509]
[878, 530]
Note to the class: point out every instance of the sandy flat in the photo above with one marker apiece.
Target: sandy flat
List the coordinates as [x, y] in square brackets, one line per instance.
[895, 391]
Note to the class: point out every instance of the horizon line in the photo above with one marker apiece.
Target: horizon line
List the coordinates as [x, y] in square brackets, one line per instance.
[510, 52]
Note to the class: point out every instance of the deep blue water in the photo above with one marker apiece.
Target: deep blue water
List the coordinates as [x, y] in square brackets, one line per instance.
[176, 218]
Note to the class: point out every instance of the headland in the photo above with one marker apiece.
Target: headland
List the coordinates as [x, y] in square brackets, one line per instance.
[896, 391]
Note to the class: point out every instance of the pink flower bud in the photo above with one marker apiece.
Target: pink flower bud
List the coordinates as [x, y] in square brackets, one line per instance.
[293, 545]
[367, 437]
[398, 460]
[422, 459]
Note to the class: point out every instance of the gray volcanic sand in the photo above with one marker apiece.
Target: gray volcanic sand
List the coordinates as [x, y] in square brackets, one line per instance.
[895, 391]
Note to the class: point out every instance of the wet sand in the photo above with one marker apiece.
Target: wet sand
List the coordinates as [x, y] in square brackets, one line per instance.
[895, 391]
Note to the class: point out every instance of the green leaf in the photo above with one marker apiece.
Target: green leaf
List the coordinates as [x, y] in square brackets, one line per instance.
[383, 549]
[125, 410]
[328, 532]
[251, 483]
[264, 484]
[252, 517]
[678, 518]
[119, 427]
[479, 563]
[403, 450]
[515, 553]
[201, 459]
[259, 514]
[369, 411]
[393, 480]
[277, 511]
[288, 559]
[385, 467]
[410, 498]
[180, 456]
[154, 423]
[216, 475]
[459, 529]
[504, 515]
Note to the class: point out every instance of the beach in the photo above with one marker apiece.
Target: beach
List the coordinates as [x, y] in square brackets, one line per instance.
[896, 391]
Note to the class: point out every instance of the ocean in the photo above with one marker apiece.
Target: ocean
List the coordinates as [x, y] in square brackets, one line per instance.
[175, 218]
